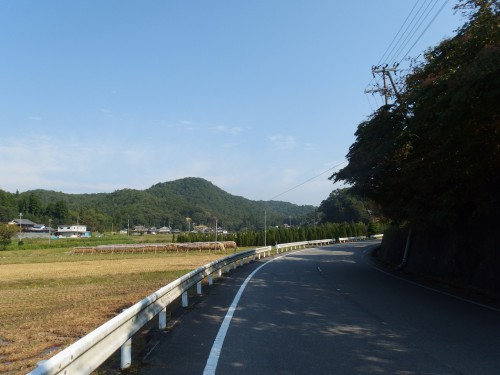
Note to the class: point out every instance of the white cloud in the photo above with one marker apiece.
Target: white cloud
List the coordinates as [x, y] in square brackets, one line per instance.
[105, 164]
[233, 130]
[309, 146]
[283, 142]
[188, 125]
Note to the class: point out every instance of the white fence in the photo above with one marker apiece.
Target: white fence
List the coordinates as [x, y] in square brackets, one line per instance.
[88, 353]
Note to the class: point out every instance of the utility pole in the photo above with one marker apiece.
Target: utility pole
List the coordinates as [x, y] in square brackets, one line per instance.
[265, 228]
[20, 224]
[386, 73]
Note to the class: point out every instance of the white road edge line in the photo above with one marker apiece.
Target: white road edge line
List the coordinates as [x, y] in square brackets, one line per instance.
[428, 287]
[213, 358]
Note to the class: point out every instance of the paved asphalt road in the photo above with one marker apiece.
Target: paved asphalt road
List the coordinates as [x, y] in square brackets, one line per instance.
[329, 310]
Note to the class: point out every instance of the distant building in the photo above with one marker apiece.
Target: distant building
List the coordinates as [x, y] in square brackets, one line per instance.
[41, 228]
[164, 230]
[72, 231]
[201, 229]
[24, 223]
[138, 230]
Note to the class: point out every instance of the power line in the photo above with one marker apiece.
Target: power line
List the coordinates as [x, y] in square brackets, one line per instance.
[423, 32]
[401, 28]
[369, 103]
[414, 28]
[406, 36]
[305, 182]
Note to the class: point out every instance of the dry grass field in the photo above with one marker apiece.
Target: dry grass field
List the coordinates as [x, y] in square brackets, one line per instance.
[48, 301]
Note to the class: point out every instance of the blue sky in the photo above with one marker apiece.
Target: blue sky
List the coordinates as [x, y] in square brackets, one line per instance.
[257, 96]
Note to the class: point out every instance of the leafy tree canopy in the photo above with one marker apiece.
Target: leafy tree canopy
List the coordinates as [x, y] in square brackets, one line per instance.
[6, 234]
[343, 206]
[434, 156]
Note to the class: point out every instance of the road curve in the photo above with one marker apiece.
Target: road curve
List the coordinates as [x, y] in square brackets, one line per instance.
[329, 311]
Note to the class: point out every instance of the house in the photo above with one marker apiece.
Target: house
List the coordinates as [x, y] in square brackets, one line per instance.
[41, 228]
[24, 223]
[201, 228]
[164, 230]
[75, 230]
[38, 228]
[139, 230]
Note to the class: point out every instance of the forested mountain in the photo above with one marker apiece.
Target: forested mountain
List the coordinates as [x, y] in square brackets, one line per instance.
[163, 204]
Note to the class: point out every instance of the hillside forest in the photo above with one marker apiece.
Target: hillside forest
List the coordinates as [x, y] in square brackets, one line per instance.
[431, 160]
[184, 204]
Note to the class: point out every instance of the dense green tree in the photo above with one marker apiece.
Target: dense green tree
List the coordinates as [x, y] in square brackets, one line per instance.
[6, 234]
[434, 156]
[8, 206]
[22, 204]
[341, 205]
[34, 205]
[61, 211]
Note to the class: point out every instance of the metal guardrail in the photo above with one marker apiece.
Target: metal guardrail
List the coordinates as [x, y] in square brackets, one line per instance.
[88, 353]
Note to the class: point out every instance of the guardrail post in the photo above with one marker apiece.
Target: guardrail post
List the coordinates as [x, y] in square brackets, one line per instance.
[228, 268]
[185, 302]
[210, 280]
[219, 273]
[126, 354]
[162, 318]
[198, 287]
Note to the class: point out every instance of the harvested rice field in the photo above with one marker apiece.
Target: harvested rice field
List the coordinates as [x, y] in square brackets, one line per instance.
[46, 306]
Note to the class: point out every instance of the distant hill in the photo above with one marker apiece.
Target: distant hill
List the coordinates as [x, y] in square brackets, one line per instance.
[163, 204]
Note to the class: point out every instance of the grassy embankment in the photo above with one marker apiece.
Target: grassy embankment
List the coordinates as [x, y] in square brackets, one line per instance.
[49, 298]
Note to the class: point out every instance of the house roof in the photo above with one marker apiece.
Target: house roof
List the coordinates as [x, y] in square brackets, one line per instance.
[23, 222]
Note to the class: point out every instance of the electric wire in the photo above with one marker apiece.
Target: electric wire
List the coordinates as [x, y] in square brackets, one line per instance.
[369, 103]
[401, 28]
[403, 35]
[423, 32]
[309, 180]
[405, 40]
[414, 29]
